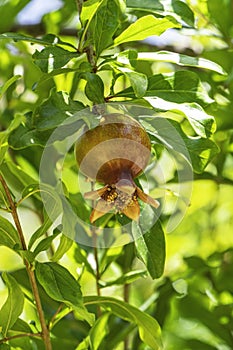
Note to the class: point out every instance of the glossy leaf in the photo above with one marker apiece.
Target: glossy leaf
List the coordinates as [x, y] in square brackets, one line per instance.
[105, 24]
[178, 9]
[181, 60]
[8, 234]
[145, 27]
[150, 247]
[179, 87]
[203, 123]
[13, 306]
[148, 327]
[138, 81]
[52, 57]
[99, 331]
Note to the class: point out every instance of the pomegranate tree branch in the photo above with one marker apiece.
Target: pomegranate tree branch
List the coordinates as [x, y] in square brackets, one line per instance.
[4, 340]
[45, 332]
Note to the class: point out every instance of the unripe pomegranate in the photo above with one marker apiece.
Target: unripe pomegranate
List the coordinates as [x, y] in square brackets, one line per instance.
[114, 153]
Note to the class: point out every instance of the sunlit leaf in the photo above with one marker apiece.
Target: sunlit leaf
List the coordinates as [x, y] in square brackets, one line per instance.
[203, 123]
[8, 234]
[179, 87]
[179, 9]
[8, 83]
[13, 306]
[145, 27]
[99, 331]
[181, 60]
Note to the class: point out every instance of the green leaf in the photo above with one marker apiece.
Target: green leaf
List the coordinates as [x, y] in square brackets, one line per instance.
[178, 9]
[179, 87]
[48, 116]
[5, 134]
[40, 231]
[138, 81]
[105, 24]
[55, 110]
[150, 247]
[149, 329]
[8, 234]
[13, 306]
[47, 39]
[45, 244]
[64, 245]
[145, 27]
[8, 83]
[181, 60]
[127, 278]
[16, 177]
[203, 123]
[169, 133]
[59, 284]
[94, 88]
[52, 57]
[5, 347]
[9, 10]
[99, 331]
[89, 8]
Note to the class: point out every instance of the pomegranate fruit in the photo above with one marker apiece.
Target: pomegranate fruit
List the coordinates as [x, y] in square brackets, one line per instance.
[114, 153]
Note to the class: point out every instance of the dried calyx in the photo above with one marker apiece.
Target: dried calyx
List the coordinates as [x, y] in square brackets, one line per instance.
[114, 153]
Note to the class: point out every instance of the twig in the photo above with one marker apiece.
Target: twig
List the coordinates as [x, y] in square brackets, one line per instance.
[4, 340]
[30, 271]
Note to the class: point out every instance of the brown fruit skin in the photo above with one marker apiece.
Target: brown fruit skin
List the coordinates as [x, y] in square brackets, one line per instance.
[114, 153]
[117, 148]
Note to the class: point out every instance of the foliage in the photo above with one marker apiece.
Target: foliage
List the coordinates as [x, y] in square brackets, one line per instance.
[58, 292]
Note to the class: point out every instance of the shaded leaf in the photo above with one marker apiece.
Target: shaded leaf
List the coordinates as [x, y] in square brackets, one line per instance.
[13, 306]
[58, 283]
[150, 247]
[145, 27]
[94, 88]
[52, 57]
[149, 329]
[127, 278]
[105, 24]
